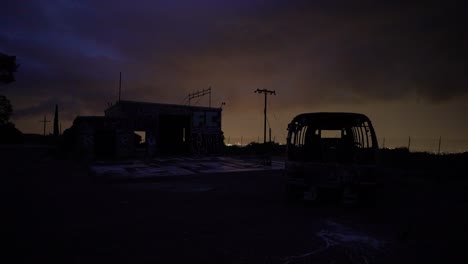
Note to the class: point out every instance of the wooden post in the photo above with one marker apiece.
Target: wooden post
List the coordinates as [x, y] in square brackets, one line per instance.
[45, 121]
[120, 84]
[266, 92]
[440, 141]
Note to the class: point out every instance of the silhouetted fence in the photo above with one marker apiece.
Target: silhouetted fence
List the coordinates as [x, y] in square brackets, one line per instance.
[420, 144]
[414, 144]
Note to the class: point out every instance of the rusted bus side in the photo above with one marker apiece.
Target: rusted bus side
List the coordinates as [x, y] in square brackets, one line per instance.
[329, 175]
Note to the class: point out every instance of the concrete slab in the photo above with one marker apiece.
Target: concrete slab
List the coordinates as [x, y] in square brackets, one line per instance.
[179, 166]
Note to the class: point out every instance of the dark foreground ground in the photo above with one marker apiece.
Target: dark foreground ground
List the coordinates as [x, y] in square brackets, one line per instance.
[56, 212]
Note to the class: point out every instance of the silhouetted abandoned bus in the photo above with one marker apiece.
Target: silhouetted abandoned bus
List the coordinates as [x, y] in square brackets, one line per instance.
[331, 153]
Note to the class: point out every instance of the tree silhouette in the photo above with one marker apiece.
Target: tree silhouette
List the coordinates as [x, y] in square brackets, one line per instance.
[5, 110]
[8, 67]
[8, 132]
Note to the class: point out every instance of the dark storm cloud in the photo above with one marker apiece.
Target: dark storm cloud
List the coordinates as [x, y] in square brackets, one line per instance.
[383, 51]
[312, 51]
[68, 108]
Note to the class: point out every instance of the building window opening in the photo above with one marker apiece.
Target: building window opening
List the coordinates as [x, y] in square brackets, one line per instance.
[140, 138]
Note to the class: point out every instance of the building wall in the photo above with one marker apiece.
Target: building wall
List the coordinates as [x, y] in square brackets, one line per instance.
[205, 134]
[202, 126]
[86, 129]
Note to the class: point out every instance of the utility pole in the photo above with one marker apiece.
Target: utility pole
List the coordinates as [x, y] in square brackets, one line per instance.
[56, 122]
[440, 141]
[45, 121]
[266, 92]
[270, 134]
[120, 85]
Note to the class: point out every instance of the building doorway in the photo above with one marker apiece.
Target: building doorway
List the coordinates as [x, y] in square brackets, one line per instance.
[104, 143]
[174, 134]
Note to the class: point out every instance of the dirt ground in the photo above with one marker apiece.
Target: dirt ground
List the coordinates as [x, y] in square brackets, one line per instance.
[55, 211]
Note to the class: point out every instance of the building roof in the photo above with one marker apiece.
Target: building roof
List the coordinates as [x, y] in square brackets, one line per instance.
[159, 105]
[331, 119]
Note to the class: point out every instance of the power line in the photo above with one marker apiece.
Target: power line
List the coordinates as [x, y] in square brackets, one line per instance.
[277, 121]
[276, 118]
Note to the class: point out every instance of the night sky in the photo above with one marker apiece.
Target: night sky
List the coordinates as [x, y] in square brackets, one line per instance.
[403, 64]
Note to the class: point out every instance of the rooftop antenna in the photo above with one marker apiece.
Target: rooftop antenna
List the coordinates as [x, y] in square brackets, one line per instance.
[199, 94]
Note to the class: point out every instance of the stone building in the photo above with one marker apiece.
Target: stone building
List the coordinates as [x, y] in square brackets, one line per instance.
[167, 129]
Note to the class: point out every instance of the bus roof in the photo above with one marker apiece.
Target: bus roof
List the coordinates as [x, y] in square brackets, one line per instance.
[331, 119]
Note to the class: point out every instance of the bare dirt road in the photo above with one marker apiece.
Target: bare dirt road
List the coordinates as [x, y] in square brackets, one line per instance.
[57, 212]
